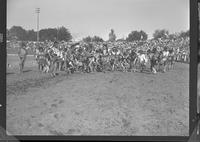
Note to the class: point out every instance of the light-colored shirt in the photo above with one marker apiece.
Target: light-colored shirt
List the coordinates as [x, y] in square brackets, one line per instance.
[22, 52]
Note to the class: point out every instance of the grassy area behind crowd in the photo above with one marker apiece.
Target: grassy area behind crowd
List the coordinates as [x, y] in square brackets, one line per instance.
[15, 50]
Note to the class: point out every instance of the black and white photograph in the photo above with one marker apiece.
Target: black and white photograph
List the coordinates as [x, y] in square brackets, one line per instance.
[98, 67]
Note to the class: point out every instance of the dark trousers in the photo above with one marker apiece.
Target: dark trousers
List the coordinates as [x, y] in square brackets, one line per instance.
[21, 64]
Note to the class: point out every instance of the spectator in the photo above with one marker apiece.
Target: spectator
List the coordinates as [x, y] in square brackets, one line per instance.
[22, 53]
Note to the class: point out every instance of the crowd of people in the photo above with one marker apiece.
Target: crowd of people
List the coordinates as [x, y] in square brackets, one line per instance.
[160, 55]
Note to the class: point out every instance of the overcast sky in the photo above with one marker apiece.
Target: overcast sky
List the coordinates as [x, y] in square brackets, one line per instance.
[97, 17]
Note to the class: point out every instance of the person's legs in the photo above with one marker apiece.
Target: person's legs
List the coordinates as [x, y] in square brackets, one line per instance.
[39, 66]
[151, 66]
[24, 60]
[20, 67]
[21, 62]
[60, 65]
[52, 66]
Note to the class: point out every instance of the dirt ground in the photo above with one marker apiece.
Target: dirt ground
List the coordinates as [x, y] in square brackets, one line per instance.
[111, 103]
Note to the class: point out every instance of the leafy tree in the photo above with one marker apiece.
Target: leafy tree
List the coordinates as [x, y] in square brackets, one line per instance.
[136, 36]
[31, 35]
[133, 36]
[184, 34]
[92, 39]
[112, 36]
[17, 31]
[64, 34]
[48, 34]
[87, 39]
[52, 33]
[97, 39]
[163, 34]
[144, 35]
[172, 36]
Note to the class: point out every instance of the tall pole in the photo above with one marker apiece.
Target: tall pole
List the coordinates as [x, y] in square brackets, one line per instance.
[57, 33]
[37, 11]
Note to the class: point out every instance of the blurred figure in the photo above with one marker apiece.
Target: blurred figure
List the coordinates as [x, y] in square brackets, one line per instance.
[22, 53]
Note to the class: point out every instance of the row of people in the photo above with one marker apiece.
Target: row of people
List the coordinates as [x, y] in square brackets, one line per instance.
[107, 55]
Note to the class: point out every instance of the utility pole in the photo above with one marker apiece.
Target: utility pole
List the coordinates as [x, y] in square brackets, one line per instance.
[37, 10]
[57, 32]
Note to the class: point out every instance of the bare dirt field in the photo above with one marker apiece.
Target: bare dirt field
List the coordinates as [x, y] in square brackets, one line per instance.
[111, 103]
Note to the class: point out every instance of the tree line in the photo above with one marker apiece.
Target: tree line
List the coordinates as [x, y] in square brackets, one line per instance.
[141, 36]
[60, 34]
[63, 34]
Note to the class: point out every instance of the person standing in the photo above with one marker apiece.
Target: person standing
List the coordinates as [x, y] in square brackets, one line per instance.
[22, 53]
